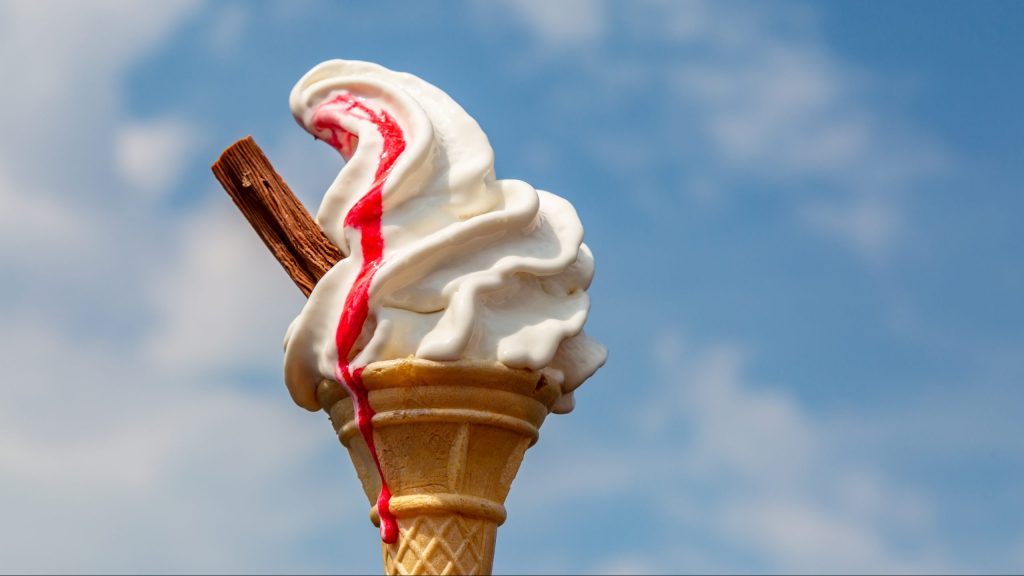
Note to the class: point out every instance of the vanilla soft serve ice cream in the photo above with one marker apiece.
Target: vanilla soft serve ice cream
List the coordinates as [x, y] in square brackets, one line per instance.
[443, 261]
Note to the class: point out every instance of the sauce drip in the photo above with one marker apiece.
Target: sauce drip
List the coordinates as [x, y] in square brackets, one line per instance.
[365, 216]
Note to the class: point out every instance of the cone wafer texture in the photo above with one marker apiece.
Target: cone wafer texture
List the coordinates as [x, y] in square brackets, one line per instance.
[450, 437]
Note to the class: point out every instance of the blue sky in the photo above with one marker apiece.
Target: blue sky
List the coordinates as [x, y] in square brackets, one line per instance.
[805, 222]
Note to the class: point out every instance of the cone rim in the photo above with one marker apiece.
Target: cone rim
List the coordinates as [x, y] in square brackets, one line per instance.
[413, 372]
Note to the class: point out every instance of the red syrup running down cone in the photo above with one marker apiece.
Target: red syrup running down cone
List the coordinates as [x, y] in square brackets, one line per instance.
[364, 217]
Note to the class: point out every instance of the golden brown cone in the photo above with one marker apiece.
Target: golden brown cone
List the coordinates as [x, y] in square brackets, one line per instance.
[450, 437]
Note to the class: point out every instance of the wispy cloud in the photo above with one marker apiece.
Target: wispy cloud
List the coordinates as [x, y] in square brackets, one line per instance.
[210, 298]
[746, 471]
[868, 224]
[227, 27]
[788, 494]
[65, 67]
[556, 25]
[127, 444]
[788, 111]
[742, 93]
[150, 156]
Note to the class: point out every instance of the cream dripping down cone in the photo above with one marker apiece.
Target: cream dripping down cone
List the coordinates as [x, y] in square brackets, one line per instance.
[450, 437]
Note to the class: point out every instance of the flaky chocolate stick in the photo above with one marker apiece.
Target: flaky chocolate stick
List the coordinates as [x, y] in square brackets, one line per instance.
[275, 213]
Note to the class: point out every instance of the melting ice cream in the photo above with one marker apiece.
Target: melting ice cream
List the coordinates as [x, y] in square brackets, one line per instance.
[443, 261]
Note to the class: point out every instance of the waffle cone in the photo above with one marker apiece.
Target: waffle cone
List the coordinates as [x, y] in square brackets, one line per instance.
[450, 437]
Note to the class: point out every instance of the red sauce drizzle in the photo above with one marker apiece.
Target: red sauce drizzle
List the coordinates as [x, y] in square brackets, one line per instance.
[365, 217]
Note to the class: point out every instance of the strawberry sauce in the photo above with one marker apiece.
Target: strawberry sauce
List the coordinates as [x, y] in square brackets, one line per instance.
[365, 217]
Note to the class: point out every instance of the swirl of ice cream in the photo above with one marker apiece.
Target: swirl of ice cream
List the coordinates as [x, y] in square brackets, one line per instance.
[443, 262]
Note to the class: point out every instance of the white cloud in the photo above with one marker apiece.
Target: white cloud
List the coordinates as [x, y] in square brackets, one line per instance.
[789, 493]
[786, 110]
[123, 465]
[34, 222]
[227, 29]
[762, 479]
[63, 65]
[222, 301]
[113, 458]
[781, 109]
[755, 434]
[558, 24]
[804, 538]
[174, 483]
[151, 155]
[869, 224]
[743, 92]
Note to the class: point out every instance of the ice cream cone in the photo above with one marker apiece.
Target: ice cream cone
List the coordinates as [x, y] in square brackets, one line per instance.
[450, 437]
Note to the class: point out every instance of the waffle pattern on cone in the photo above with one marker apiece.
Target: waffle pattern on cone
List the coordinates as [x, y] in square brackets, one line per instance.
[449, 544]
